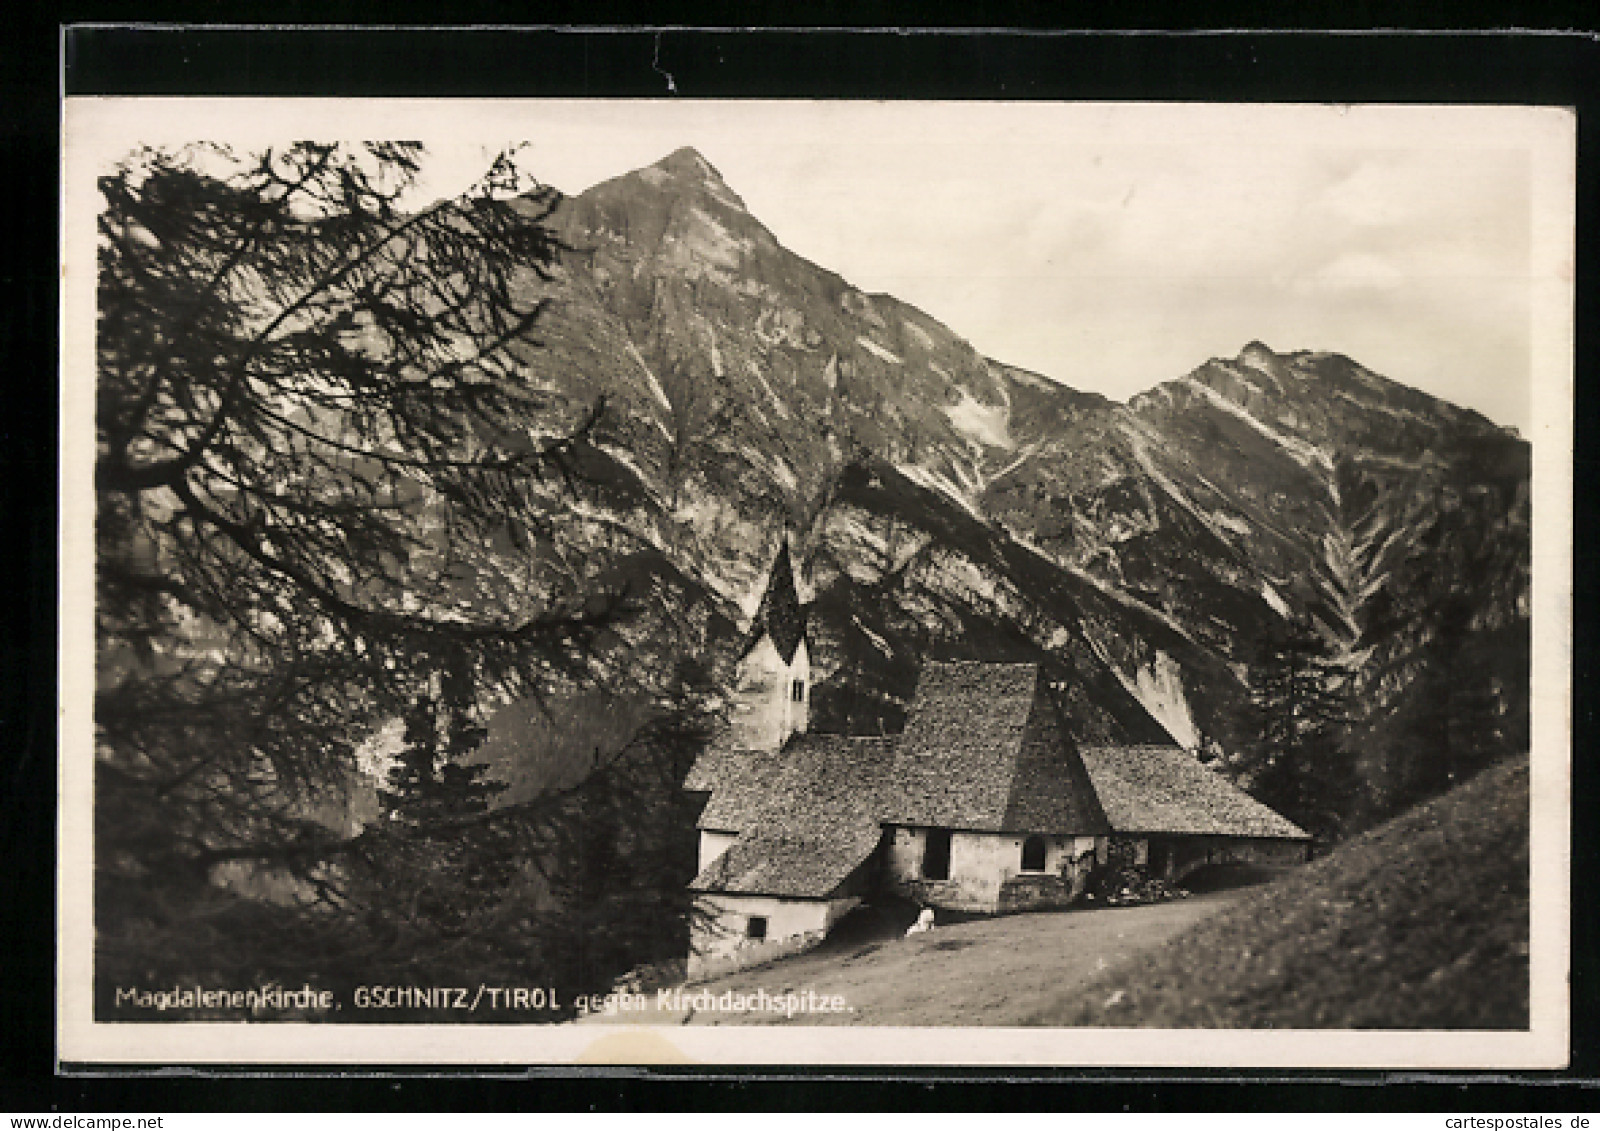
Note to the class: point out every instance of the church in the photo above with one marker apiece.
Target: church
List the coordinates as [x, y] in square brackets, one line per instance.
[985, 802]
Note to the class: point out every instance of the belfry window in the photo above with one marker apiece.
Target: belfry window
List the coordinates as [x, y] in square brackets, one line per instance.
[1033, 853]
[797, 691]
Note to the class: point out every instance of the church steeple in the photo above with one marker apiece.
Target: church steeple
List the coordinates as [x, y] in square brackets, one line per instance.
[780, 615]
[773, 699]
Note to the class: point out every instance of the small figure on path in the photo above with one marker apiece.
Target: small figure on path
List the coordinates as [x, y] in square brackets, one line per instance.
[924, 923]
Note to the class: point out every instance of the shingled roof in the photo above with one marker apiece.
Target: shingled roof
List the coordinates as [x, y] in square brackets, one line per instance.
[982, 750]
[711, 764]
[780, 615]
[1163, 789]
[808, 816]
[740, 783]
[788, 865]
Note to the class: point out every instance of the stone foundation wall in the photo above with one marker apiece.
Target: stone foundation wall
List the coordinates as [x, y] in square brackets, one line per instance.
[750, 952]
[1187, 855]
[1039, 892]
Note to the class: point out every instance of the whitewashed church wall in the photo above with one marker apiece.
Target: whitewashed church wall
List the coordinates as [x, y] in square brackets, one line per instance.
[799, 713]
[721, 943]
[764, 712]
[981, 867]
[713, 845]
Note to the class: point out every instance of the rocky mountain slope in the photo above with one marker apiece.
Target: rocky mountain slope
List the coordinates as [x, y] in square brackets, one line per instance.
[945, 503]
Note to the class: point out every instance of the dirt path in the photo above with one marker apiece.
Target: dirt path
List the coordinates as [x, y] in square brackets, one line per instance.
[984, 972]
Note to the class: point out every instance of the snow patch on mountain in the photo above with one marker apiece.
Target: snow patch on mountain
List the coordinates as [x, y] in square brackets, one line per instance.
[923, 338]
[1159, 688]
[1306, 454]
[941, 483]
[987, 424]
[777, 401]
[876, 350]
[1272, 598]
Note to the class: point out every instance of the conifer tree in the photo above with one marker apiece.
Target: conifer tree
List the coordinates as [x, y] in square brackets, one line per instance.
[1455, 720]
[433, 784]
[433, 849]
[312, 422]
[1301, 766]
[325, 471]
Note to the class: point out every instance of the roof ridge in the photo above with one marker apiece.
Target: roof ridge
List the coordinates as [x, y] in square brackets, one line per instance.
[983, 663]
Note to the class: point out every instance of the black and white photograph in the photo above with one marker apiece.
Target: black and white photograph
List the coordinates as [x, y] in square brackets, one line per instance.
[815, 582]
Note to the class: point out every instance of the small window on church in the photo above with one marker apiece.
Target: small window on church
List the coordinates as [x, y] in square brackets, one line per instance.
[798, 691]
[756, 927]
[1033, 850]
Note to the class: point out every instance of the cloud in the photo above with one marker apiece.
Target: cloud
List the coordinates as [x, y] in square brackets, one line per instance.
[1378, 192]
[1356, 270]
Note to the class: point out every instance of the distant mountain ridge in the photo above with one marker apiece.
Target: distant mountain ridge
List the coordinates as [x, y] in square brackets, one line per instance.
[944, 503]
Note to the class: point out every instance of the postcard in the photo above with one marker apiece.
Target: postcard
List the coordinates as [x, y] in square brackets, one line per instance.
[771, 583]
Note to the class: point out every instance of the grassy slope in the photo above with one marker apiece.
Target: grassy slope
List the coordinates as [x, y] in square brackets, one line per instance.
[989, 971]
[1420, 923]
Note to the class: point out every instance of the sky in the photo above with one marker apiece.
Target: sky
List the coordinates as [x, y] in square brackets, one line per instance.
[1107, 246]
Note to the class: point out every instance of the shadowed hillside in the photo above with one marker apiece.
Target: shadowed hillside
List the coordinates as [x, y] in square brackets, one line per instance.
[1421, 923]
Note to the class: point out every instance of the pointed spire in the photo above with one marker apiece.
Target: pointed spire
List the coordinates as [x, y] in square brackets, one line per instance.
[780, 615]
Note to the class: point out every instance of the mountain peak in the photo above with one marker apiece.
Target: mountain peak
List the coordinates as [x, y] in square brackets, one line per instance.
[1257, 352]
[686, 167]
[686, 160]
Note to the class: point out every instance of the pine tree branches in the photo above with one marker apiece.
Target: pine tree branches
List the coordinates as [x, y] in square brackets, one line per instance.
[1302, 766]
[314, 429]
[329, 493]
